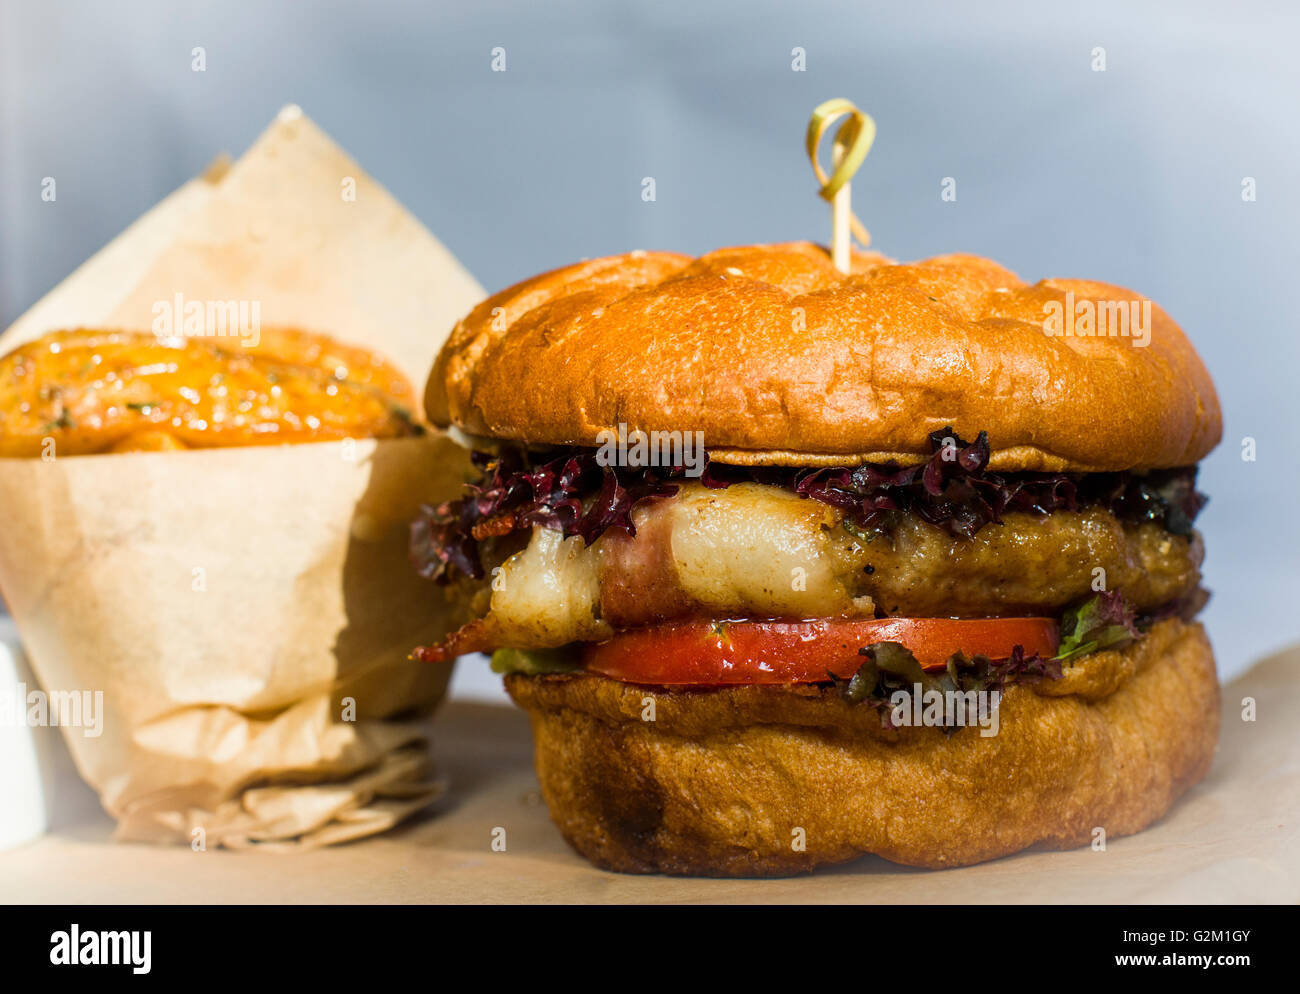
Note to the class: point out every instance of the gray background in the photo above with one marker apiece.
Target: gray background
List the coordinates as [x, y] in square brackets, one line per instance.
[1132, 175]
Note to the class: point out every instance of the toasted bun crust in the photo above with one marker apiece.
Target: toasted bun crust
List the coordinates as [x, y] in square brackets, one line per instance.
[718, 783]
[780, 359]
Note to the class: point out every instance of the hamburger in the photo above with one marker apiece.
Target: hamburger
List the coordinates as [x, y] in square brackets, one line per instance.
[788, 565]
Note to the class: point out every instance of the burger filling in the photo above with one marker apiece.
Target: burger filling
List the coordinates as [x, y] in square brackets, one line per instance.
[861, 574]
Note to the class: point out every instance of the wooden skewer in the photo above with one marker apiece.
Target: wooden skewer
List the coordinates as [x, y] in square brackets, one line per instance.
[852, 142]
[841, 211]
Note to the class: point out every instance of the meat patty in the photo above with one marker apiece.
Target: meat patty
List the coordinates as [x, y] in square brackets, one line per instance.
[1025, 565]
[759, 551]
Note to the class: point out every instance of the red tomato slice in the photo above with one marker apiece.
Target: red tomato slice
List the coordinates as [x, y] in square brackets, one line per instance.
[736, 652]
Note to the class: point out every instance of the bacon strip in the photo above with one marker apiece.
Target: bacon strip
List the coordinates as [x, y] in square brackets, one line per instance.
[480, 635]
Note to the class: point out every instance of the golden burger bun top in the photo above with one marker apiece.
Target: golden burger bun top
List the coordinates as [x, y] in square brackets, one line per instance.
[780, 359]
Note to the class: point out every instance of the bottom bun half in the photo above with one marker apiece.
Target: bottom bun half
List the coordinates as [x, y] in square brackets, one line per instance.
[770, 781]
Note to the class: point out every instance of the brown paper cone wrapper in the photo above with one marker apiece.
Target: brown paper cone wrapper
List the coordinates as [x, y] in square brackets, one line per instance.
[247, 614]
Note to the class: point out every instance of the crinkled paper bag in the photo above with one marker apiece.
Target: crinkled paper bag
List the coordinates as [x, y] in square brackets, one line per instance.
[243, 616]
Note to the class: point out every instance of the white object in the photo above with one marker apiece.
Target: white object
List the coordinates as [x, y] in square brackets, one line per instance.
[23, 789]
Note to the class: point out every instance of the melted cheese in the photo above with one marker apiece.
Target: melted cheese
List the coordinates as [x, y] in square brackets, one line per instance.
[746, 551]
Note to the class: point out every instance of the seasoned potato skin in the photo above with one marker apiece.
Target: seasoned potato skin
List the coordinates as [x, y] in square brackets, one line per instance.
[96, 391]
[717, 783]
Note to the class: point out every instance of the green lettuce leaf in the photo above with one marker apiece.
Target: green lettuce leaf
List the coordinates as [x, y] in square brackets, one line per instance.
[534, 662]
[1104, 622]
